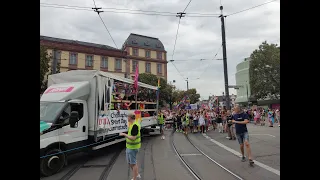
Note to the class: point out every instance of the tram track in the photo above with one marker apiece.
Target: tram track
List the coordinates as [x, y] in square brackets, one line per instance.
[103, 175]
[191, 168]
[88, 157]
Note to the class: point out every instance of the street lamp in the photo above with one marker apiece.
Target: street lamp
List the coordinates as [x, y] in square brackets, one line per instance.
[187, 80]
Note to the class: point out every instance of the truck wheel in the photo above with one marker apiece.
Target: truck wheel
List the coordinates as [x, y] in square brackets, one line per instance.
[52, 164]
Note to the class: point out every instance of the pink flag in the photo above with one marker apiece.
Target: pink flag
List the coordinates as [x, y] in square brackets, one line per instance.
[136, 76]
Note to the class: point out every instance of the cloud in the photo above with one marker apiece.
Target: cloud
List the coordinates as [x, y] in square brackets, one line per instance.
[198, 38]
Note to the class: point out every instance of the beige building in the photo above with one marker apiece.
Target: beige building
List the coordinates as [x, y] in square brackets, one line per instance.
[147, 51]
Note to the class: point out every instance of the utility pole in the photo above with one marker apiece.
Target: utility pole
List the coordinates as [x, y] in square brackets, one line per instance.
[54, 61]
[225, 66]
[187, 84]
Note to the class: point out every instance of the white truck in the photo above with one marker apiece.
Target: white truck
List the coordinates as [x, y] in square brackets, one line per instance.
[77, 114]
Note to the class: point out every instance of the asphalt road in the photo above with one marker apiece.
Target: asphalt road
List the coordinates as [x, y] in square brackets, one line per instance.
[265, 146]
[158, 161]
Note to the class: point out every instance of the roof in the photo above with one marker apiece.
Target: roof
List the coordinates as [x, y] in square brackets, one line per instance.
[141, 41]
[102, 46]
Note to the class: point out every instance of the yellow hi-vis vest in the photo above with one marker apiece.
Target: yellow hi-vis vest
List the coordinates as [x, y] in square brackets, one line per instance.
[134, 144]
[187, 119]
[160, 118]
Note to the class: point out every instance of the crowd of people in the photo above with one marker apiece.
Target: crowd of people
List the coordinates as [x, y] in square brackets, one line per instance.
[203, 120]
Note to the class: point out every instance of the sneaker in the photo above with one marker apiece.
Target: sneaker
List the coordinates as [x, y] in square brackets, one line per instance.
[139, 177]
[228, 137]
[243, 159]
[163, 138]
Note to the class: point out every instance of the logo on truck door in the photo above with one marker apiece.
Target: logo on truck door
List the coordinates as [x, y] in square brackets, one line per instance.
[58, 90]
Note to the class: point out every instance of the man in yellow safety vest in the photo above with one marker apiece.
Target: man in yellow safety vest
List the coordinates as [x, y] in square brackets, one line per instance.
[161, 122]
[133, 144]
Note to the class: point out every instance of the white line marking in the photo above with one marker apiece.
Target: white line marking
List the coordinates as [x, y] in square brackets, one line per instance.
[263, 135]
[184, 163]
[218, 163]
[190, 154]
[275, 171]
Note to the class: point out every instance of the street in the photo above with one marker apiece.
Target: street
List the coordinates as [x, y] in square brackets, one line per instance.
[158, 160]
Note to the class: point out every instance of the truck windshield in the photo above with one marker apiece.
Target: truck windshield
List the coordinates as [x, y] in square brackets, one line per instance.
[50, 110]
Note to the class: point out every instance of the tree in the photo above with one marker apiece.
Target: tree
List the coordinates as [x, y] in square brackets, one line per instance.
[194, 97]
[44, 66]
[192, 93]
[264, 71]
[165, 89]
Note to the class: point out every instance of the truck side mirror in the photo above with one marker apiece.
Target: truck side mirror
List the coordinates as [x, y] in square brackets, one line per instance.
[74, 118]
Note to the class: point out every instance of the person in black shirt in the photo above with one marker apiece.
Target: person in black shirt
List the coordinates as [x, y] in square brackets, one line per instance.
[231, 134]
[179, 122]
[219, 122]
[241, 119]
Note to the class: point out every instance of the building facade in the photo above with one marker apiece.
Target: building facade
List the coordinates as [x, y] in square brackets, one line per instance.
[148, 53]
[72, 55]
[243, 80]
[244, 93]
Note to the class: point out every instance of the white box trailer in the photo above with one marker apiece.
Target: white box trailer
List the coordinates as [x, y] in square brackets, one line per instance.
[75, 115]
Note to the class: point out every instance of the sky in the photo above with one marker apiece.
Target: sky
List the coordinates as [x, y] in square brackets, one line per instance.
[198, 37]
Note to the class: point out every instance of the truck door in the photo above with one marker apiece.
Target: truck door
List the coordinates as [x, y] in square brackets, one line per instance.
[80, 132]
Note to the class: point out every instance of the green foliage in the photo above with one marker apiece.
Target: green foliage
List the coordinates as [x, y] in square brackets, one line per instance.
[265, 71]
[44, 66]
[192, 93]
[167, 92]
[165, 89]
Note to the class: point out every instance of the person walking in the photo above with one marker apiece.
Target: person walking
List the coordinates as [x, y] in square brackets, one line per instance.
[161, 122]
[133, 144]
[231, 135]
[241, 119]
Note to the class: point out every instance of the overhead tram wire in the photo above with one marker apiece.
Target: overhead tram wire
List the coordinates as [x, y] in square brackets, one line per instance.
[179, 15]
[213, 58]
[124, 9]
[128, 11]
[251, 8]
[98, 12]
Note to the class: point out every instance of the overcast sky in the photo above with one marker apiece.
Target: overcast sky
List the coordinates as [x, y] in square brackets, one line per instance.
[198, 38]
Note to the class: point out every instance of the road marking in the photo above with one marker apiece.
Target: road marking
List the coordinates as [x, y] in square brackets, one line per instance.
[263, 135]
[190, 154]
[275, 171]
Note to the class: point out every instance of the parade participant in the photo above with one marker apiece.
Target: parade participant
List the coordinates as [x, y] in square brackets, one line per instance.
[241, 119]
[231, 135]
[202, 122]
[133, 144]
[161, 118]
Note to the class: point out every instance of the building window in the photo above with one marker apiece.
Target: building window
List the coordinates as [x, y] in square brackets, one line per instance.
[135, 52]
[148, 67]
[104, 62]
[73, 58]
[159, 68]
[118, 64]
[147, 54]
[134, 65]
[89, 60]
[159, 55]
